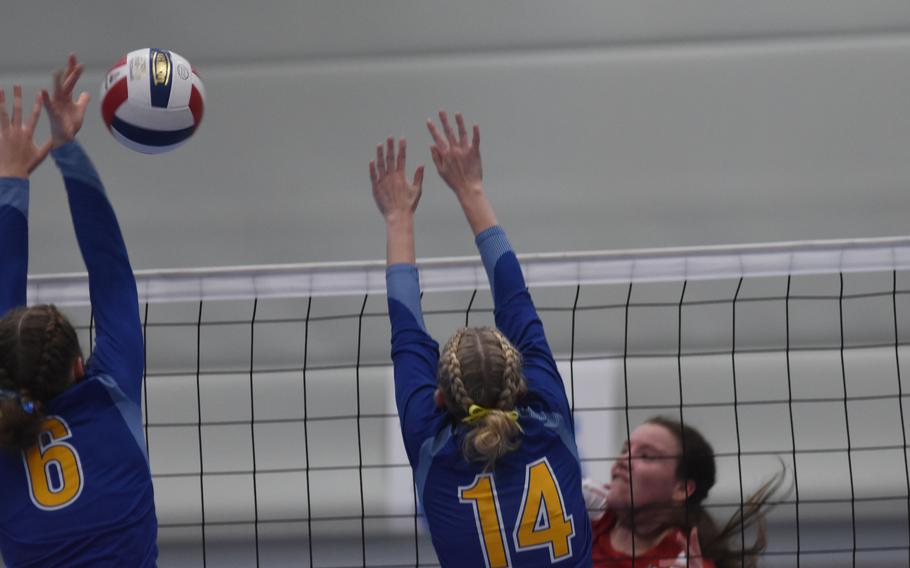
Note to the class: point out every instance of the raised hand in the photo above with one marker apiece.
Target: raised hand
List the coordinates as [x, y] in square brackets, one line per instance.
[457, 160]
[65, 114]
[18, 153]
[395, 197]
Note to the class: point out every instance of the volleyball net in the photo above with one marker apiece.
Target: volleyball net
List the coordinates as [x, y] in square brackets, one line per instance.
[274, 440]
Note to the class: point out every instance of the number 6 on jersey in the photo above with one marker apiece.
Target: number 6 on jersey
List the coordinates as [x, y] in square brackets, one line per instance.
[53, 467]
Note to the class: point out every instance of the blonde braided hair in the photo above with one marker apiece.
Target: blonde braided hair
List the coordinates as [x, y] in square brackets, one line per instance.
[512, 379]
[479, 367]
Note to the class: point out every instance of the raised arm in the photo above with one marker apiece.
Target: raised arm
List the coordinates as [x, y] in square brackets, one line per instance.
[414, 352]
[458, 162]
[18, 157]
[112, 287]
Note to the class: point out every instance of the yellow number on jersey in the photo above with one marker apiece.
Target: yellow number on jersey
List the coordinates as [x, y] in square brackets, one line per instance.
[482, 495]
[53, 467]
[542, 521]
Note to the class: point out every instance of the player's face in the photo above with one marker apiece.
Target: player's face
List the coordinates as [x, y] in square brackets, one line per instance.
[654, 454]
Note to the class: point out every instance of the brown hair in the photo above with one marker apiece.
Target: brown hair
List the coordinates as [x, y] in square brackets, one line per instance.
[37, 348]
[696, 463]
[479, 366]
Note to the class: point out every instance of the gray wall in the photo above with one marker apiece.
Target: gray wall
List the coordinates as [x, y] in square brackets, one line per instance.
[624, 123]
[618, 124]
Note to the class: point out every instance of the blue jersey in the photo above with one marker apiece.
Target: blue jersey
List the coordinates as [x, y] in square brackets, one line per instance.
[528, 511]
[83, 496]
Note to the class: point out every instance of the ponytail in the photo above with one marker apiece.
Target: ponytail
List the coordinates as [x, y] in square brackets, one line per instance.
[480, 377]
[20, 421]
[491, 437]
[37, 348]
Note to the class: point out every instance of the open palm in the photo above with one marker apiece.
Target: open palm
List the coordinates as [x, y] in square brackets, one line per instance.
[65, 114]
[394, 194]
[457, 160]
[18, 153]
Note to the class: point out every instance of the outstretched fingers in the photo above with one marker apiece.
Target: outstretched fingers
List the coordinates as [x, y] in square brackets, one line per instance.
[83, 100]
[462, 131]
[386, 163]
[402, 155]
[389, 155]
[4, 117]
[58, 83]
[48, 103]
[438, 140]
[374, 175]
[380, 161]
[35, 115]
[17, 106]
[71, 78]
[418, 177]
[447, 128]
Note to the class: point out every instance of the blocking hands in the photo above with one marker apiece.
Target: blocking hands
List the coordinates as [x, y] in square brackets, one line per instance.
[458, 163]
[19, 155]
[65, 114]
[457, 160]
[395, 196]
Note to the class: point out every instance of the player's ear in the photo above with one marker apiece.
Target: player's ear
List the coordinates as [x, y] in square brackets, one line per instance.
[78, 369]
[439, 398]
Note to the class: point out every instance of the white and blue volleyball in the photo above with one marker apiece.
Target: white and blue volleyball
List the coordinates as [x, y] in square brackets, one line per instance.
[152, 100]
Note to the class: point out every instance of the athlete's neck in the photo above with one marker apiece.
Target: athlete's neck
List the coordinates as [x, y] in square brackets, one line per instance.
[640, 534]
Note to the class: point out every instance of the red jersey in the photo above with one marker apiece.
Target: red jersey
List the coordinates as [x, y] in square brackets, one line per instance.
[605, 556]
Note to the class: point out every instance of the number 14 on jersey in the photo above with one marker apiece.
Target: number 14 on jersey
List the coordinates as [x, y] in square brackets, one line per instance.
[542, 520]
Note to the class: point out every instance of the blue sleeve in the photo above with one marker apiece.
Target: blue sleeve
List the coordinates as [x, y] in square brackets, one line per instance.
[517, 318]
[112, 287]
[13, 243]
[414, 356]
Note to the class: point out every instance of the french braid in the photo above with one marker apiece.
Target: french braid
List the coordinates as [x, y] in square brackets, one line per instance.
[480, 366]
[37, 349]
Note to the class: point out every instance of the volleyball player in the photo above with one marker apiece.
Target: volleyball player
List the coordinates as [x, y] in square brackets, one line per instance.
[653, 509]
[486, 425]
[75, 485]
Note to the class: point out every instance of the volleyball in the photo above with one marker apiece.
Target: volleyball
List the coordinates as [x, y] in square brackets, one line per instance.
[152, 100]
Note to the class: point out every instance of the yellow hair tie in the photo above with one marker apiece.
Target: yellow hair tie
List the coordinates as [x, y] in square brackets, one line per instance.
[476, 412]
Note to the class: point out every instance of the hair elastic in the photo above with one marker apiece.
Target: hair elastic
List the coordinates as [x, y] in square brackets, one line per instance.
[476, 412]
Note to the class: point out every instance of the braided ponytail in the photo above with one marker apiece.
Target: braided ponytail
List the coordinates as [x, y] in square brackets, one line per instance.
[450, 375]
[480, 370]
[56, 354]
[19, 428]
[37, 349]
[513, 381]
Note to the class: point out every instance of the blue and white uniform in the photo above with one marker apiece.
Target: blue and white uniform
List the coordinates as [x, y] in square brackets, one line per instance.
[528, 511]
[83, 496]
